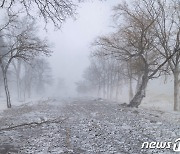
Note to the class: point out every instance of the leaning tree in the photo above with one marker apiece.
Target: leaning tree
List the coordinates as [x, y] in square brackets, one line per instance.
[136, 41]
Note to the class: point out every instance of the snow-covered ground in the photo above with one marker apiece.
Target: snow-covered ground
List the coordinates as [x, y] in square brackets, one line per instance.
[84, 125]
[16, 103]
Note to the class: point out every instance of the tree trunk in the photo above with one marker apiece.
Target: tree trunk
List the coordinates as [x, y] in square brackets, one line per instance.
[4, 72]
[29, 91]
[139, 81]
[104, 90]
[108, 87]
[99, 89]
[130, 89]
[17, 68]
[140, 94]
[8, 100]
[18, 86]
[176, 90]
[6, 90]
[117, 87]
[111, 91]
[117, 92]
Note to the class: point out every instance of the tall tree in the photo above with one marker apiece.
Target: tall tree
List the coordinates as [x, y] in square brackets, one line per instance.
[20, 42]
[168, 39]
[136, 40]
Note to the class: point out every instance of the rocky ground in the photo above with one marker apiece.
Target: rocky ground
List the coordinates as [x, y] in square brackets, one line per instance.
[87, 126]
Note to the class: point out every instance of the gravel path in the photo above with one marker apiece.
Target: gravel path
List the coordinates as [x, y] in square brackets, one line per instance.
[84, 126]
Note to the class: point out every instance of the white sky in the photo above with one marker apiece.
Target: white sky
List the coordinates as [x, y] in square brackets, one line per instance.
[72, 42]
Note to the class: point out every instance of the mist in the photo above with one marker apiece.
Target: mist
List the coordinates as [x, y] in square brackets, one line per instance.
[87, 77]
[71, 47]
[72, 43]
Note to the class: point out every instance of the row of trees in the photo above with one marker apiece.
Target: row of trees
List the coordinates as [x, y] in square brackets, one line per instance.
[25, 78]
[20, 44]
[103, 77]
[146, 44]
[21, 49]
[30, 77]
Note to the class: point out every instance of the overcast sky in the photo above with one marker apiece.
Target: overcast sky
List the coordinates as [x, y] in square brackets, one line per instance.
[72, 42]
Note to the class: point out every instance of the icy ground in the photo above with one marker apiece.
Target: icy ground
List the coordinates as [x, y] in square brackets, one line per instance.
[84, 126]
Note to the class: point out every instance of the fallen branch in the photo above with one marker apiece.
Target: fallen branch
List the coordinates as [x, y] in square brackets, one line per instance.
[33, 124]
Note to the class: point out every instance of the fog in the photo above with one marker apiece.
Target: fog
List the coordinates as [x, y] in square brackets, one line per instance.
[72, 42]
[71, 46]
[99, 77]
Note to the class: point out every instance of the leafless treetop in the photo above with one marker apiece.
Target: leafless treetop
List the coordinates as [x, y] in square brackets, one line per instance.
[55, 11]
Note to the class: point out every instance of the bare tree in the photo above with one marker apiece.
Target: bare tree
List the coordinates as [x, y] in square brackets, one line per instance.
[42, 74]
[17, 68]
[127, 71]
[136, 40]
[20, 42]
[102, 77]
[168, 33]
[55, 11]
